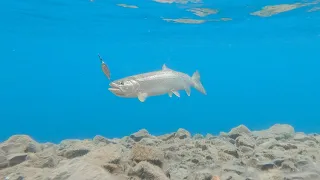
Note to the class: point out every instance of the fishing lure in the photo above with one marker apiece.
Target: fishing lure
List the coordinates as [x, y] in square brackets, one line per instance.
[104, 67]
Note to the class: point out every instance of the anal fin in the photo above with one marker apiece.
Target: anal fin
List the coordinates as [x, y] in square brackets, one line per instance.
[175, 93]
[188, 90]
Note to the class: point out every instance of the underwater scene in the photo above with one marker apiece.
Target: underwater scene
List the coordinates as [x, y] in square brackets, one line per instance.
[160, 90]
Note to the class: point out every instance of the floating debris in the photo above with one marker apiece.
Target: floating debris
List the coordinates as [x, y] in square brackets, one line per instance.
[221, 19]
[186, 21]
[314, 9]
[226, 19]
[195, 21]
[104, 67]
[178, 1]
[127, 6]
[202, 12]
[268, 11]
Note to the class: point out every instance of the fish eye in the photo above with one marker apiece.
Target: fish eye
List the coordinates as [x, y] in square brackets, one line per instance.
[121, 82]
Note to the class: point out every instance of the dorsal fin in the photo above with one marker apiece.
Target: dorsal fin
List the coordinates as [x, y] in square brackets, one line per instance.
[164, 67]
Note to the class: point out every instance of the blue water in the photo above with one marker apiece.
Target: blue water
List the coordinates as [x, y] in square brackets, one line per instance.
[257, 71]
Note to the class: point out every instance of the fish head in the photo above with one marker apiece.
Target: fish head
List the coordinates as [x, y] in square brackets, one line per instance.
[124, 87]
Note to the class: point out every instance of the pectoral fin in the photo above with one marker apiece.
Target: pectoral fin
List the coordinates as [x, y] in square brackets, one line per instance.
[176, 93]
[142, 97]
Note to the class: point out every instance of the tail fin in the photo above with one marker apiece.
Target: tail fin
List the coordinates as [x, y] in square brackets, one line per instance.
[197, 84]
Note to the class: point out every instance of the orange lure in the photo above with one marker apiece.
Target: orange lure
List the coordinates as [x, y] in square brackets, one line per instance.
[215, 178]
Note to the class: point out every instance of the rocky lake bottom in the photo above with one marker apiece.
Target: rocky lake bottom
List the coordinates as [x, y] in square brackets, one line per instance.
[277, 153]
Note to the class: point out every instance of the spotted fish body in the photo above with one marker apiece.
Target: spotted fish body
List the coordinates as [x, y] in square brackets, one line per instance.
[164, 81]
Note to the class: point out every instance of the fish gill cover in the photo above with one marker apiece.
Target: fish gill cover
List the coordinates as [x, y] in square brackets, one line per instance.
[258, 62]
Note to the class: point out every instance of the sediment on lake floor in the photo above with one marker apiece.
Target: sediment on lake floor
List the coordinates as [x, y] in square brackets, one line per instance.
[277, 153]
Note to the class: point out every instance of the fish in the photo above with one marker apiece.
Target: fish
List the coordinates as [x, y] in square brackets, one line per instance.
[105, 68]
[155, 83]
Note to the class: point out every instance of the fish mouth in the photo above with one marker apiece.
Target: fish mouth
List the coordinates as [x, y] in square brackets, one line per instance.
[114, 85]
[115, 89]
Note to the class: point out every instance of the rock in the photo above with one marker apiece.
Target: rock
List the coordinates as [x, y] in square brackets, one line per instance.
[3, 161]
[15, 159]
[200, 175]
[127, 141]
[246, 150]
[32, 148]
[201, 144]
[302, 176]
[74, 148]
[234, 169]
[182, 134]
[20, 144]
[146, 170]
[167, 137]
[236, 132]
[73, 153]
[20, 172]
[147, 153]
[266, 165]
[10, 148]
[302, 163]
[288, 166]
[110, 154]
[112, 168]
[45, 159]
[301, 137]
[311, 143]
[312, 153]
[210, 136]
[317, 137]
[100, 139]
[198, 136]
[277, 131]
[178, 172]
[226, 147]
[245, 140]
[150, 141]
[231, 176]
[252, 173]
[15, 176]
[274, 174]
[284, 146]
[169, 155]
[80, 170]
[223, 135]
[143, 133]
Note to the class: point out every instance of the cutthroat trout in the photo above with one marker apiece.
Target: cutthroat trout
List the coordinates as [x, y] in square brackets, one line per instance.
[164, 81]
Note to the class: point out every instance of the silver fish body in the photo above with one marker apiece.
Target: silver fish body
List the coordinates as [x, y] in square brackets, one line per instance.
[165, 81]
